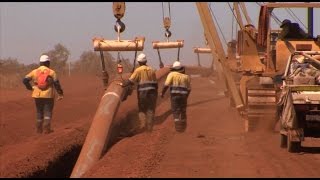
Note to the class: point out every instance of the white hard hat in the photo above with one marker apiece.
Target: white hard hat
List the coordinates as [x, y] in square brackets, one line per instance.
[44, 58]
[142, 58]
[176, 65]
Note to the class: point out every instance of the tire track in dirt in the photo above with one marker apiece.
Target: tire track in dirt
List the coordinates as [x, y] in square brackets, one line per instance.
[277, 162]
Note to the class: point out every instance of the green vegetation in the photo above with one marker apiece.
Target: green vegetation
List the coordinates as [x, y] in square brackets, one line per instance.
[12, 71]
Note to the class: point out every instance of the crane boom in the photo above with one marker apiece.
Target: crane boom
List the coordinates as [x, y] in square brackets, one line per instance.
[215, 44]
[245, 12]
[236, 8]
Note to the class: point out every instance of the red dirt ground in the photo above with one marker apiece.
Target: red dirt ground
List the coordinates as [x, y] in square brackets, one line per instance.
[21, 149]
[214, 144]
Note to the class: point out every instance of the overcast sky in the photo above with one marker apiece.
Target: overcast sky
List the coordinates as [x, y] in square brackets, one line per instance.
[29, 28]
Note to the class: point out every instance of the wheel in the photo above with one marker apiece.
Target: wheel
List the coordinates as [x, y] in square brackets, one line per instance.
[283, 141]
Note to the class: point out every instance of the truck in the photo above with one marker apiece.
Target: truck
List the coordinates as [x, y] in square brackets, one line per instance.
[263, 62]
[299, 103]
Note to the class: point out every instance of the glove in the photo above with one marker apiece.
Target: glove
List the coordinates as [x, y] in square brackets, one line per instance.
[60, 97]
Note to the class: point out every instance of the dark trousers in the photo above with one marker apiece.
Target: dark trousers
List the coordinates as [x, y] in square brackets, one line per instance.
[179, 106]
[44, 108]
[147, 101]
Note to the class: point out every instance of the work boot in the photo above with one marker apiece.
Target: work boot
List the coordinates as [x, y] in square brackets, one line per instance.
[183, 125]
[180, 125]
[39, 126]
[47, 126]
[149, 127]
[149, 122]
[177, 124]
[142, 121]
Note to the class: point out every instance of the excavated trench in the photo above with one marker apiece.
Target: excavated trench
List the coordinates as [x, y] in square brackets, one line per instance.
[63, 164]
[60, 167]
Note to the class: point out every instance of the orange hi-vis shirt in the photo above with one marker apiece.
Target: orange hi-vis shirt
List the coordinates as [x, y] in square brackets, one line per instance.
[38, 93]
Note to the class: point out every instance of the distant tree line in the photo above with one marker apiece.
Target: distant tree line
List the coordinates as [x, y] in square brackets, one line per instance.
[12, 71]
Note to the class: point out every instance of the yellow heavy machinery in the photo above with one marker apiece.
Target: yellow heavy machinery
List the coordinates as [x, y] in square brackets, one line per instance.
[218, 53]
[262, 62]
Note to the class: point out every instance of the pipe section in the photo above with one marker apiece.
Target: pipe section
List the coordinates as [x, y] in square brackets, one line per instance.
[101, 127]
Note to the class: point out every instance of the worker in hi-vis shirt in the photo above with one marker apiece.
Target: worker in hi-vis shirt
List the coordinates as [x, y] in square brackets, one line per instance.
[180, 88]
[44, 82]
[147, 91]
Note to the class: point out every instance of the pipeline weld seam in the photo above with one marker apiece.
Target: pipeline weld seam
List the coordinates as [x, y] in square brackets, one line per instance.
[111, 93]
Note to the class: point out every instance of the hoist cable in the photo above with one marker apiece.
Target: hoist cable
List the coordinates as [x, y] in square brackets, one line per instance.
[292, 14]
[232, 27]
[118, 57]
[169, 11]
[298, 19]
[244, 10]
[162, 12]
[233, 14]
[218, 24]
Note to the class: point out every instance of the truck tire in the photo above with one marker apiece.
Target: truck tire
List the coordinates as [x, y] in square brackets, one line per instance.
[283, 141]
[293, 146]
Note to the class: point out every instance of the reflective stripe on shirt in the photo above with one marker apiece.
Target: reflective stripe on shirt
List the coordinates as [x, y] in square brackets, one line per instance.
[178, 90]
[147, 85]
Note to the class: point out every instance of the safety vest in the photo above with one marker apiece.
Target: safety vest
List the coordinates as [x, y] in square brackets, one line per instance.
[147, 85]
[146, 78]
[179, 83]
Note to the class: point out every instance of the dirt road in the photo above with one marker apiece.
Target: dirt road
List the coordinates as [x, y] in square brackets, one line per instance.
[214, 144]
